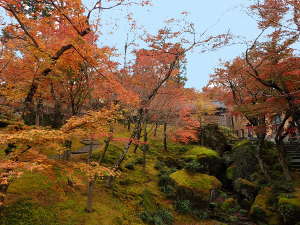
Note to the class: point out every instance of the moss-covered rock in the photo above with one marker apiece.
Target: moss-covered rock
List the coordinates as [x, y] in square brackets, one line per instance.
[200, 185]
[230, 172]
[228, 204]
[246, 191]
[172, 162]
[244, 159]
[204, 160]
[289, 207]
[200, 152]
[216, 137]
[261, 210]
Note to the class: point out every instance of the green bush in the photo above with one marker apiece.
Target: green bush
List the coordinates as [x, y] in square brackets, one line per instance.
[139, 161]
[183, 206]
[166, 185]
[129, 166]
[160, 217]
[159, 165]
[195, 166]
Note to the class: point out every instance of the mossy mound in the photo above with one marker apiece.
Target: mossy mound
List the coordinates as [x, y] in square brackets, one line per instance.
[261, 210]
[216, 137]
[199, 184]
[228, 204]
[289, 207]
[246, 191]
[243, 156]
[200, 152]
[241, 143]
[204, 160]
[230, 172]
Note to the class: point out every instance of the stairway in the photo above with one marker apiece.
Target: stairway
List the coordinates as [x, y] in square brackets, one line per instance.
[293, 155]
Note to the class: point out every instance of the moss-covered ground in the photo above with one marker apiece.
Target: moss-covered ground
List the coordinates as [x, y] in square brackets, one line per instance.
[57, 196]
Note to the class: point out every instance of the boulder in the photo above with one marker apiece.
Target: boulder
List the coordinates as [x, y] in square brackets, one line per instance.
[261, 211]
[230, 173]
[289, 207]
[196, 187]
[228, 204]
[246, 191]
[204, 160]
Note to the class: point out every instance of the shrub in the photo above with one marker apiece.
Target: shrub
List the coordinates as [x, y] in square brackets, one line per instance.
[129, 166]
[183, 206]
[160, 217]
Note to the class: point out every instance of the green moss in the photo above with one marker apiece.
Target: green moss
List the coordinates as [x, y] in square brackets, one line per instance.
[23, 212]
[289, 207]
[244, 183]
[229, 203]
[241, 143]
[198, 182]
[291, 201]
[261, 210]
[230, 172]
[200, 152]
[35, 184]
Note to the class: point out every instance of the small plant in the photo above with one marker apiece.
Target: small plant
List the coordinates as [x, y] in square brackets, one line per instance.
[129, 166]
[160, 217]
[183, 206]
[159, 165]
[139, 161]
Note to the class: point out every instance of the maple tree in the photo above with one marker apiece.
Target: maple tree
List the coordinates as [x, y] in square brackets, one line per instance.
[63, 86]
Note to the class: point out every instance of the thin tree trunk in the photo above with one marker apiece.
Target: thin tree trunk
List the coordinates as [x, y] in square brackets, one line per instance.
[165, 137]
[89, 203]
[281, 134]
[38, 112]
[138, 137]
[129, 125]
[3, 192]
[282, 161]
[90, 151]
[107, 142]
[155, 129]
[145, 146]
[260, 160]
[133, 135]
[90, 187]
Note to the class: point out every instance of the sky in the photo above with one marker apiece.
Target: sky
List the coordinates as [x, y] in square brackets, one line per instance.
[217, 15]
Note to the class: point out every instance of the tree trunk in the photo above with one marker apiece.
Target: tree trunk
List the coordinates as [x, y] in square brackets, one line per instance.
[260, 160]
[38, 112]
[280, 147]
[133, 135]
[3, 192]
[138, 137]
[107, 142]
[155, 130]
[89, 203]
[146, 145]
[165, 137]
[129, 125]
[282, 161]
[90, 152]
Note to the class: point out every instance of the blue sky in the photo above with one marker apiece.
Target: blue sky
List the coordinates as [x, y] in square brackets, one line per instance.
[217, 15]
